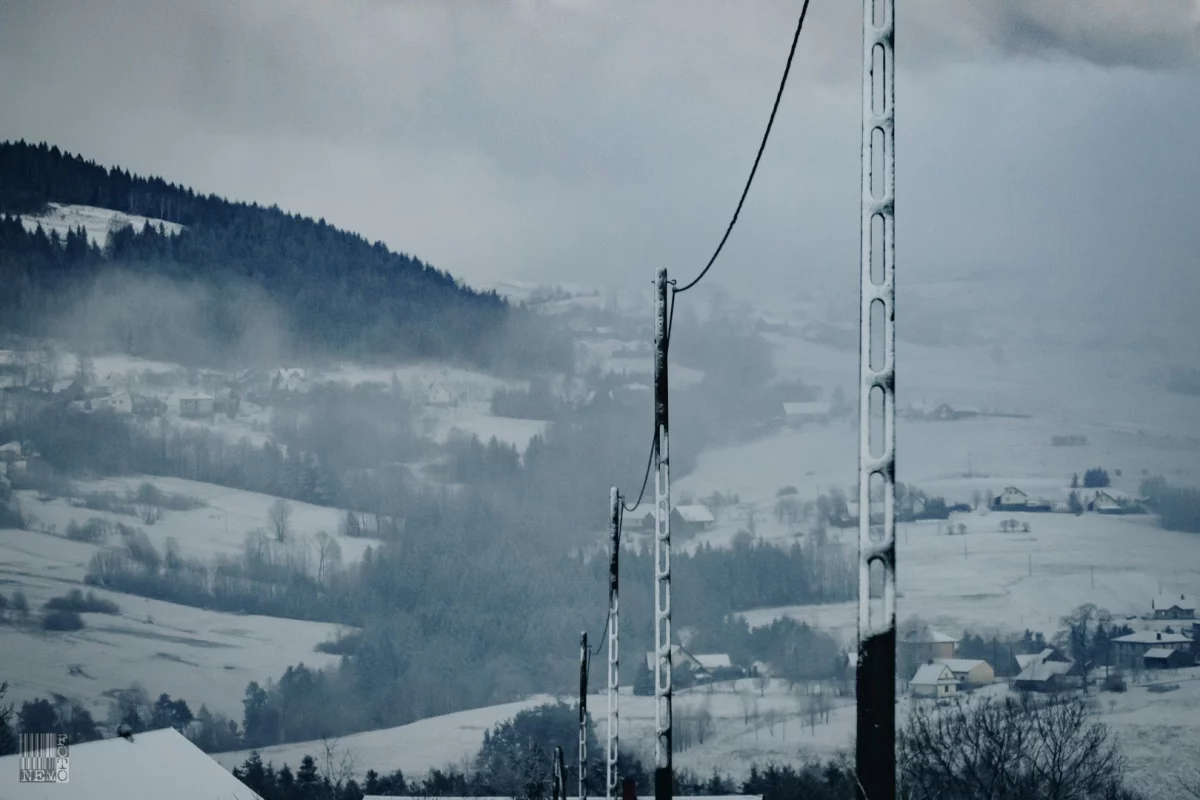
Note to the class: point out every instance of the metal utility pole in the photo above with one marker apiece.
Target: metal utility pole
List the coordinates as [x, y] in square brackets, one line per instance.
[559, 786]
[583, 687]
[662, 554]
[614, 551]
[875, 749]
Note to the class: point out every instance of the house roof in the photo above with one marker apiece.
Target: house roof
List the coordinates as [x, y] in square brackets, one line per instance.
[159, 763]
[196, 396]
[679, 656]
[932, 675]
[1183, 602]
[714, 660]
[1159, 652]
[1025, 659]
[961, 664]
[1153, 637]
[695, 513]
[800, 409]
[1045, 670]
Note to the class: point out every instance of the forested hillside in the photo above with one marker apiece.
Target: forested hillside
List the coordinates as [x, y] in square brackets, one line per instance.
[330, 291]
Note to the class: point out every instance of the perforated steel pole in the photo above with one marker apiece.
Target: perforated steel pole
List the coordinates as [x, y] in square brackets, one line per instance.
[614, 552]
[875, 757]
[662, 554]
[583, 681]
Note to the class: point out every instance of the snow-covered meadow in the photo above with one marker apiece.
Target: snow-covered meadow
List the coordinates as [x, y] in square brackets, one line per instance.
[201, 656]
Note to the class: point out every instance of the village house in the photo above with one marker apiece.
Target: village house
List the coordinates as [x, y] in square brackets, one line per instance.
[703, 666]
[690, 519]
[117, 403]
[1048, 654]
[1013, 499]
[196, 405]
[161, 763]
[438, 395]
[922, 645]
[1050, 675]
[1128, 651]
[797, 414]
[1171, 607]
[933, 680]
[970, 672]
[1167, 658]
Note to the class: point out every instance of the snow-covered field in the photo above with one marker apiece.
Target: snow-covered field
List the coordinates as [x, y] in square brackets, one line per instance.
[201, 656]
[218, 528]
[1118, 563]
[749, 726]
[96, 221]
[432, 743]
[441, 424]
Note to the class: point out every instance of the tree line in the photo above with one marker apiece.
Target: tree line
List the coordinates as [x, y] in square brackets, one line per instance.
[336, 292]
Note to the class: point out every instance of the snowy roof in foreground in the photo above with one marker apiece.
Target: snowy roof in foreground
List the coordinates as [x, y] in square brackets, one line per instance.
[157, 764]
[695, 513]
[1153, 637]
[508, 797]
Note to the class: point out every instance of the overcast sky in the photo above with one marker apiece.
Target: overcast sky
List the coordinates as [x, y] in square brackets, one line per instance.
[595, 140]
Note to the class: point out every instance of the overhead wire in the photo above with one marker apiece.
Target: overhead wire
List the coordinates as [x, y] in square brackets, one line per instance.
[761, 147]
[675, 289]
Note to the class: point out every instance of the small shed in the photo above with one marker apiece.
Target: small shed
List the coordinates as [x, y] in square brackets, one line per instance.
[1166, 658]
[933, 680]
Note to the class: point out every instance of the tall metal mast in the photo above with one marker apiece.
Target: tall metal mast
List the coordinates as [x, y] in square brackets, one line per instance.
[583, 687]
[662, 554]
[614, 552]
[875, 757]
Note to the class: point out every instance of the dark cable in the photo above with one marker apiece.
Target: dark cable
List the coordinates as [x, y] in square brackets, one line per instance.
[761, 147]
[646, 477]
[608, 616]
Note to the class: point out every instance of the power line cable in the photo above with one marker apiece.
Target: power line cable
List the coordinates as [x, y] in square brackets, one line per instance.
[757, 158]
[645, 478]
[608, 616]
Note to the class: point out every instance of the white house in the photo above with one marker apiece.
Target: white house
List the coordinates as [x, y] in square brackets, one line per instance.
[438, 394]
[933, 680]
[970, 671]
[118, 403]
[160, 763]
[1173, 607]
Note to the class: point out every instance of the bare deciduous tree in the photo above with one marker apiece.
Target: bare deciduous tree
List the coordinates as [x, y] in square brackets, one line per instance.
[280, 515]
[1010, 748]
